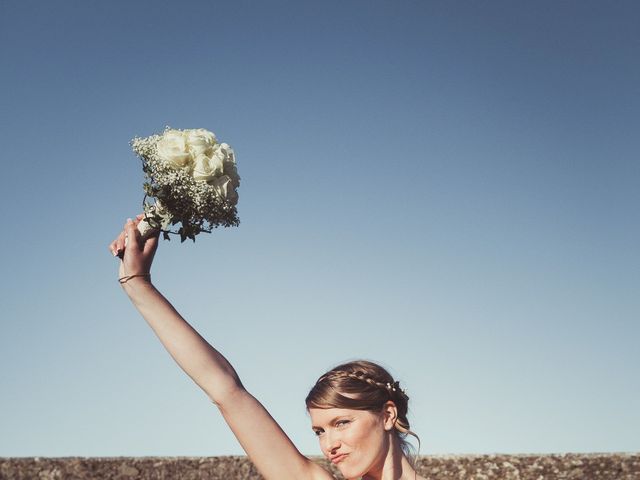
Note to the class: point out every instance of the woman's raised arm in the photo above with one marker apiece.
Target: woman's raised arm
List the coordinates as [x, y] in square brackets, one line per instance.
[267, 445]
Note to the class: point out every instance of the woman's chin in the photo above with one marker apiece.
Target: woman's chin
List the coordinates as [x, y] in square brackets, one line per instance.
[349, 472]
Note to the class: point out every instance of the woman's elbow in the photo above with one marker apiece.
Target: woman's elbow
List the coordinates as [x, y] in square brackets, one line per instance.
[225, 394]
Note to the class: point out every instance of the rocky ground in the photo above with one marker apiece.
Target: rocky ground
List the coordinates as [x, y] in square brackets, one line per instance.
[449, 467]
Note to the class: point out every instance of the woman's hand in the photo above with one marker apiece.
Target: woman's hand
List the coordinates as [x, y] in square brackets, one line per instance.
[136, 254]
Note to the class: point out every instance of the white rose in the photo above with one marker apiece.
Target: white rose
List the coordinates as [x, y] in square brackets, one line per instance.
[202, 133]
[224, 188]
[229, 162]
[172, 148]
[200, 141]
[227, 151]
[205, 168]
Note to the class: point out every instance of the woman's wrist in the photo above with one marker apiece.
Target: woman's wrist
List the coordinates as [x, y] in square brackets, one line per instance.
[127, 278]
[135, 283]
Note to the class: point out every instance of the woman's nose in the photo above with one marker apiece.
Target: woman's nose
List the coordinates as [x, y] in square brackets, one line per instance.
[331, 443]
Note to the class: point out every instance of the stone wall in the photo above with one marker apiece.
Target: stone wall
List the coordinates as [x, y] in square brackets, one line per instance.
[449, 467]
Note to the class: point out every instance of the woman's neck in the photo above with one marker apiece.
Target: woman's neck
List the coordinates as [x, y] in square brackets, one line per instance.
[396, 465]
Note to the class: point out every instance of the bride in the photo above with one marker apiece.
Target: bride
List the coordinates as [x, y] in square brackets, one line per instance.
[357, 410]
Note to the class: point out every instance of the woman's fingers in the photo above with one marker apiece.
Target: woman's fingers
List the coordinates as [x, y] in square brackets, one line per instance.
[133, 235]
[121, 242]
[117, 246]
[151, 244]
[130, 235]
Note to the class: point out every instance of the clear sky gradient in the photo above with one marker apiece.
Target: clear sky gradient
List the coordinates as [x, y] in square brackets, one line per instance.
[448, 188]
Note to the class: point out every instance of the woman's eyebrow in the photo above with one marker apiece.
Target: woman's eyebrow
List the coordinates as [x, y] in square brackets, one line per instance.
[331, 422]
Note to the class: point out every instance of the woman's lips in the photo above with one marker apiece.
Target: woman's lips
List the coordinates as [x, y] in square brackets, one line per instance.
[338, 458]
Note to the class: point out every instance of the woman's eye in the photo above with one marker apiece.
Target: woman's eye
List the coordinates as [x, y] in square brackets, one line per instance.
[342, 423]
[317, 432]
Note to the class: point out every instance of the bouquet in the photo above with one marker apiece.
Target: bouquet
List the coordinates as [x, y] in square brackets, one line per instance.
[192, 180]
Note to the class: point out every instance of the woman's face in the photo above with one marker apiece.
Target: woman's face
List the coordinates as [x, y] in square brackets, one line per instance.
[356, 441]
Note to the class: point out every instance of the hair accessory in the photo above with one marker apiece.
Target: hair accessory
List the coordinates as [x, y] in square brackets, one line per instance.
[362, 376]
[394, 387]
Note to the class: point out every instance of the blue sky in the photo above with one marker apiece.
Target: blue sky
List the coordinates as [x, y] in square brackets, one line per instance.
[447, 188]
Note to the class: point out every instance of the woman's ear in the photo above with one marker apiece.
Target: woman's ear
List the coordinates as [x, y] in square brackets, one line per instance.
[389, 415]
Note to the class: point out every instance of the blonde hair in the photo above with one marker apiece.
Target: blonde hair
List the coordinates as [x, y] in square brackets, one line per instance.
[363, 385]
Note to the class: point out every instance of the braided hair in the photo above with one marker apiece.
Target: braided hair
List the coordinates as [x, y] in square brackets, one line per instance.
[363, 385]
